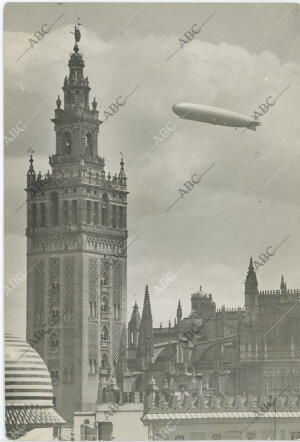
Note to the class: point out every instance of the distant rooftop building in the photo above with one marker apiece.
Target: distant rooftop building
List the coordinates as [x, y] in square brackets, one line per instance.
[194, 416]
[28, 390]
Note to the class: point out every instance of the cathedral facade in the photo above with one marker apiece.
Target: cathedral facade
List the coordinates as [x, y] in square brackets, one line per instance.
[253, 349]
[76, 251]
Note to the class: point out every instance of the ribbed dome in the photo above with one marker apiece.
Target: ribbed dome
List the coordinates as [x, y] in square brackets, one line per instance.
[27, 379]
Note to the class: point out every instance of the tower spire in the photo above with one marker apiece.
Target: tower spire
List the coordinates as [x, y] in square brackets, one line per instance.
[31, 171]
[147, 314]
[179, 312]
[145, 346]
[282, 285]
[251, 275]
[251, 291]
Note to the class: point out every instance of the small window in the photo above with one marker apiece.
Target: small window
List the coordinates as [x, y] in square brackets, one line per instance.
[104, 361]
[104, 333]
[92, 366]
[54, 344]
[104, 279]
[88, 141]
[104, 306]
[66, 144]
[54, 376]
[55, 316]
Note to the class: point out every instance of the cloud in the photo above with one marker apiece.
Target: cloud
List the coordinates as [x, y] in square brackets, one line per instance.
[221, 218]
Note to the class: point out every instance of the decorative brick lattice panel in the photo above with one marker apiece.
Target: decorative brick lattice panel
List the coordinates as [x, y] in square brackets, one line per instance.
[69, 270]
[68, 344]
[93, 278]
[39, 293]
[117, 281]
[117, 299]
[93, 341]
[116, 341]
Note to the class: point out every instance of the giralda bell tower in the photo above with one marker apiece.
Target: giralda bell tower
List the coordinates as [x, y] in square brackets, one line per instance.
[76, 252]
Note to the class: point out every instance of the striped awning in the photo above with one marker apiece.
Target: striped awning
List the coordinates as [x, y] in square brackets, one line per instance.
[27, 379]
[221, 415]
[35, 416]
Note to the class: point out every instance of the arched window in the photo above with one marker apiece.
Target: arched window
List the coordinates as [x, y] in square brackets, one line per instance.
[114, 217]
[55, 316]
[88, 212]
[104, 210]
[122, 217]
[105, 304]
[96, 214]
[131, 338]
[77, 93]
[66, 144]
[74, 212]
[117, 311]
[54, 343]
[34, 215]
[104, 279]
[92, 366]
[65, 212]
[43, 214]
[104, 333]
[54, 376]
[67, 315]
[88, 142]
[93, 309]
[104, 361]
[54, 211]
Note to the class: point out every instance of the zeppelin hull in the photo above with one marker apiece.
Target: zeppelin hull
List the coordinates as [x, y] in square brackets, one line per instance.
[213, 115]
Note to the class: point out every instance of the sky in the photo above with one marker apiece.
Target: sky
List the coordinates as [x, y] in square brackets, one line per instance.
[249, 198]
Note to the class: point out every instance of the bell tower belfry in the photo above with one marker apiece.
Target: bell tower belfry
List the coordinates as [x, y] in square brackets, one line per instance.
[76, 252]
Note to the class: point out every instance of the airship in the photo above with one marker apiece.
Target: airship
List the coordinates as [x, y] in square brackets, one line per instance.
[214, 115]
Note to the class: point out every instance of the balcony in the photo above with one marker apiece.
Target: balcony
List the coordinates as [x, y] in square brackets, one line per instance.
[227, 364]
